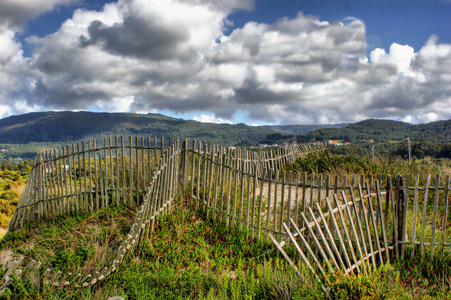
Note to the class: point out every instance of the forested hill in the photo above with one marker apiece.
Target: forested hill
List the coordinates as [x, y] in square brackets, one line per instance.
[376, 130]
[386, 130]
[64, 127]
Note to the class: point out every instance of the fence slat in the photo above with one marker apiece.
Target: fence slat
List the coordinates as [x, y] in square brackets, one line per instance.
[434, 218]
[445, 215]
[423, 217]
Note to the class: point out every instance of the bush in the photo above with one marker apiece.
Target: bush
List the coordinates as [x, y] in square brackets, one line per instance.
[325, 162]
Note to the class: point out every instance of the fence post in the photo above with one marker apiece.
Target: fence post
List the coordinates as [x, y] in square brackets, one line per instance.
[400, 213]
[183, 174]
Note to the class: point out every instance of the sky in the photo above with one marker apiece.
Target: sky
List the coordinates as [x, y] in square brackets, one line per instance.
[229, 61]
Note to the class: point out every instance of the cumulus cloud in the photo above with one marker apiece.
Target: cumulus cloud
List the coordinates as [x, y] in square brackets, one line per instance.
[9, 47]
[15, 13]
[399, 56]
[23, 107]
[182, 56]
[116, 104]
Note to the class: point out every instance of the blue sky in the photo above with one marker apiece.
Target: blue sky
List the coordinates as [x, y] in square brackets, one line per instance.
[257, 62]
[403, 21]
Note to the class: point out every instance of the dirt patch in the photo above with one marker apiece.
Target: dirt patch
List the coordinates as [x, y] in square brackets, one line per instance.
[5, 256]
[18, 188]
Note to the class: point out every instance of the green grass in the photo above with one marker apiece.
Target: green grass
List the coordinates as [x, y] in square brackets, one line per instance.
[189, 256]
[80, 243]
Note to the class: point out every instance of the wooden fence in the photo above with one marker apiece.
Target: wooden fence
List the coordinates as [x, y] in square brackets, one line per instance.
[412, 212]
[89, 177]
[133, 167]
[373, 228]
[248, 189]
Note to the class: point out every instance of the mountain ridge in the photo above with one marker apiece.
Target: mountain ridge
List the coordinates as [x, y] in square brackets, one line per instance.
[73, 126]
[67, 127]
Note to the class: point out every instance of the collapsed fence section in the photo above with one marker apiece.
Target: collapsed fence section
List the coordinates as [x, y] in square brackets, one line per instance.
[363, 233]
[349, 236]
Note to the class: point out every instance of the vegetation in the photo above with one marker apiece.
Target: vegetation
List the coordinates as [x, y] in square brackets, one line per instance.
[303, 129]
[190, 256]
[387, 137]
[331, 163]
[13, 176]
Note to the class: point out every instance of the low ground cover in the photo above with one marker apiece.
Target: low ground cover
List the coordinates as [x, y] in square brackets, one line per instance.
[189, 256]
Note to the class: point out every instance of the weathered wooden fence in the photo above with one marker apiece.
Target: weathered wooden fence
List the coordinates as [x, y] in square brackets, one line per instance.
[158, 167]
[89, 177]
[412, 212]
[373, 227]
[384, 218]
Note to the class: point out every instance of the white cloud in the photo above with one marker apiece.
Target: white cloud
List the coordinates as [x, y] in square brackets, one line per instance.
[204, 118]
[4, 111]
[22, 107]
[9, 47]
[177, 55]
[399, 56]
[434, 57]
[428, 117]
[116, 104]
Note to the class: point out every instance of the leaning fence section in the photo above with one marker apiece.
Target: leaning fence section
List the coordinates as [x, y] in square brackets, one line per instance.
[88, 177]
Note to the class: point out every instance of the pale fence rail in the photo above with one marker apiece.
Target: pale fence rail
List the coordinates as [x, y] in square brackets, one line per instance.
[89, 177]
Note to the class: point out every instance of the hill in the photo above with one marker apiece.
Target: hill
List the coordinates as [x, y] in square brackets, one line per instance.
[388, 131]
[25, 135]
[65, 127]
[377, 130]
[380, 131]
